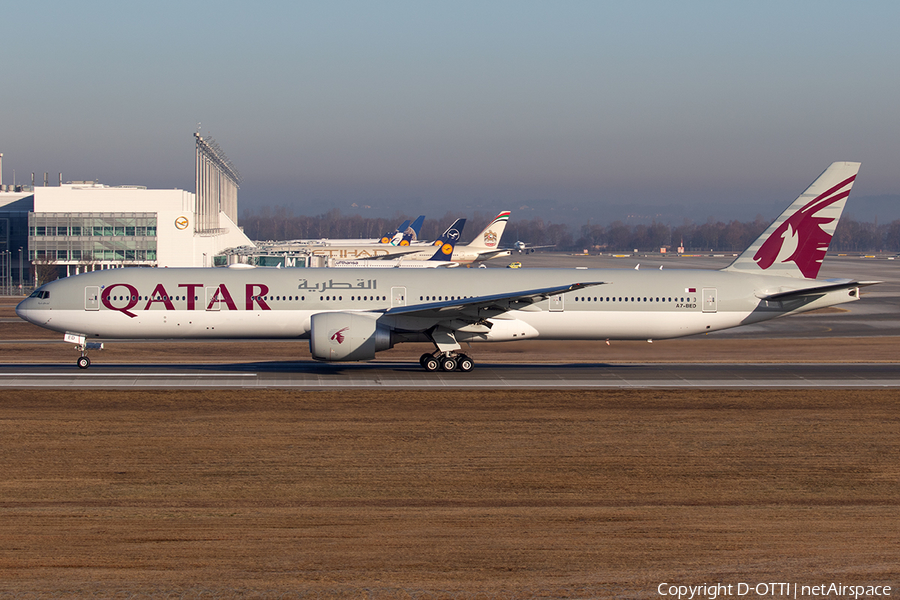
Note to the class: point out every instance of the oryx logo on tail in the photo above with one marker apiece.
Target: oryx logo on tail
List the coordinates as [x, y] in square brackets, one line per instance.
[801, 238]
[796, 243]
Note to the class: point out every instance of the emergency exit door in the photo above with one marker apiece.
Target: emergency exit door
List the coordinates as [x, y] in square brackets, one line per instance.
[398, 296]
[557, 303]
[710, 303]
[92, 298]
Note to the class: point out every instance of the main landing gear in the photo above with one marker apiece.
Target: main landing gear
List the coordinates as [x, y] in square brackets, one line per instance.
[449, 361]
[446, 356]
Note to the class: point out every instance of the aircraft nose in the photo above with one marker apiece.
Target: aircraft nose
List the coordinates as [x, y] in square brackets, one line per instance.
[22, 309]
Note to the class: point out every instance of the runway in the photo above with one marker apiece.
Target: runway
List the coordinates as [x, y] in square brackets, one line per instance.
[307, 375]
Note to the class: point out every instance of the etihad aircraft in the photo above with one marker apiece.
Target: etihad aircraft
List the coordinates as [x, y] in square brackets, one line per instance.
[441, 253]
[485, 246]
[351, 314]
[403, 244]
[404, 235]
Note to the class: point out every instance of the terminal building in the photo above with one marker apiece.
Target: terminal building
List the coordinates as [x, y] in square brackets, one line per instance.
[49, 231]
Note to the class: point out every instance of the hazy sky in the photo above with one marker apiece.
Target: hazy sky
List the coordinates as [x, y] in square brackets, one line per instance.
[323, 104]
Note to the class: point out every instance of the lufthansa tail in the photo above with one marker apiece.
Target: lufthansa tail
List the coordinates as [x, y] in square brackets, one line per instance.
[448, 240]
[795, 244]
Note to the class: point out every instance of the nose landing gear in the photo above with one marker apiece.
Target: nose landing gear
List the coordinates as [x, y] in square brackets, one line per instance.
[82, 345]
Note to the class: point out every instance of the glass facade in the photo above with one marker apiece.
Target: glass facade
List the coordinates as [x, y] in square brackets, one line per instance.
[76, 238]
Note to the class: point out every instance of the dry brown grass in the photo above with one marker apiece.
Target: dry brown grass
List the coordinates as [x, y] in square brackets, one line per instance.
[381, 494]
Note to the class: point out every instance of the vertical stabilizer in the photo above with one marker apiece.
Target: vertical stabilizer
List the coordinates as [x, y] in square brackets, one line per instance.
[452, 233]
[417, 226]
[447, 242]
[390, 236]
[489, 238]
[795, 244]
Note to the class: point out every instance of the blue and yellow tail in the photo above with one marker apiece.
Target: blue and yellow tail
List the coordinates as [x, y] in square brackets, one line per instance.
[447, 242]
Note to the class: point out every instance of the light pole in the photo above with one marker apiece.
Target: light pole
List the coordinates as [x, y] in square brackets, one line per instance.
[7, 276]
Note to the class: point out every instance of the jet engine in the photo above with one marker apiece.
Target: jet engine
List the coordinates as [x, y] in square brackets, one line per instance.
[347, 336]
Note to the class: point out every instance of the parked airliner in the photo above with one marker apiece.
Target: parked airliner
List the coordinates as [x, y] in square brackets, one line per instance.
[351, 314]
[485, 246]
[406, 234]
[441, 253]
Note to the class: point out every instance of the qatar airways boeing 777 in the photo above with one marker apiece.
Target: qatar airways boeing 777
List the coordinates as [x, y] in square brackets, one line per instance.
[351, 314]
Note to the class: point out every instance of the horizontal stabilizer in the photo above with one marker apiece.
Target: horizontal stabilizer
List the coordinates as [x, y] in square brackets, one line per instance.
[816, 290]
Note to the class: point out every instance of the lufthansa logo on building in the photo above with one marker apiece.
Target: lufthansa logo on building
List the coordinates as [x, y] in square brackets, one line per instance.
[181, 222]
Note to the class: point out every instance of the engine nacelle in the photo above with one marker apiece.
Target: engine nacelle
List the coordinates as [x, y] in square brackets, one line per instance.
[347, 336]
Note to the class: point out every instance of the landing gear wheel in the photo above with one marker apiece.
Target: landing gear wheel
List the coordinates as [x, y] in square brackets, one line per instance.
[430, 364]
[423, 358]
[83, 362]
[464, 363]
[448, 363]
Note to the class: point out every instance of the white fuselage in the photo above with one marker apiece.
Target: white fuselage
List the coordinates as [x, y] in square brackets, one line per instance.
[278, 303]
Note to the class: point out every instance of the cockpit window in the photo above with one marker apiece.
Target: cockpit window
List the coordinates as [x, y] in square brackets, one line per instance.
[42, 294]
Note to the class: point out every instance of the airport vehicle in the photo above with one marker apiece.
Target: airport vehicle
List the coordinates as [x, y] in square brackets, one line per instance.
[351, 314]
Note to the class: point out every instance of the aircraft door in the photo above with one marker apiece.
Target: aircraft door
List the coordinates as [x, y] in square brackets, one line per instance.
[212, 298]
[398, 296]
[92, 298]
[710, 302]
[557, 303]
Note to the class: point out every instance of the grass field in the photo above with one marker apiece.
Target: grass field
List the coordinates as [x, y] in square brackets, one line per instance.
[377, 494]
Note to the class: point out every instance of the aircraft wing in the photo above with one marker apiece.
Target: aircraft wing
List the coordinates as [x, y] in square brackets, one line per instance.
[397, 253]
[478, 308]
[823, 287]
